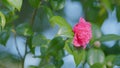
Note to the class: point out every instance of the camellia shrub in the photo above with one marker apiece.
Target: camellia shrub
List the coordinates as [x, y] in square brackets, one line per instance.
[29, 19]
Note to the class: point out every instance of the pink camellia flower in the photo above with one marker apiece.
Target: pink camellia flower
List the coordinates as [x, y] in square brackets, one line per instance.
[82, 33]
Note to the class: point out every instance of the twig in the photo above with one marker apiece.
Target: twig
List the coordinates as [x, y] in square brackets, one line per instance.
[25, 50]
[16, 45]
[33, 16]
[24, 55]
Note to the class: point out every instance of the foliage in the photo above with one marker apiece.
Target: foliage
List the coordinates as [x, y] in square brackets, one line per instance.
[30, 18]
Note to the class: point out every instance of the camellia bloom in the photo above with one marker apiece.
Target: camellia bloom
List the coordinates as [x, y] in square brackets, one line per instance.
[82, 33]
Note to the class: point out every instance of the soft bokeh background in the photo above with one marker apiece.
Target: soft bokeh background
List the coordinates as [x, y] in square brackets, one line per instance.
[72, 11]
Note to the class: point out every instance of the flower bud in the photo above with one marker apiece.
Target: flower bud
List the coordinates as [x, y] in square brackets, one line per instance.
[97, 44]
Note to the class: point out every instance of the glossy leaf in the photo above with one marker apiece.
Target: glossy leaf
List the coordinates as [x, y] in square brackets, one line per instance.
[49, 12]
[98, 65]
[58, 62]
[57, 5]
[111, 50]
[16, 3]
[69, 47]
[24, 29]
[42, 41]
[109, 37]
[4, 35]
[32, 67]
[96, 33]
[117, 60]
[65, 28]
[94, 12]
[8, 5]
[39, 40]
[95, 56]
[55, 45]
[79, 56]
[8, 60]
[107, 4]
[29, 42]
[109, 61]
[49, 66]
[34, 3]
[2, 20]
[118, 13]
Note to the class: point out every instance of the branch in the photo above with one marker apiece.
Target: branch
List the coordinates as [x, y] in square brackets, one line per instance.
[33, 16]
[16, 45]
[23, 60]
[25, 50]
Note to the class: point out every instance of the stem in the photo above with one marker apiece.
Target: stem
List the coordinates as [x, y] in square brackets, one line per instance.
[23, 60]
[25, 49]
[16, 45]
[33, 16]
[83, 65]
[23, 63]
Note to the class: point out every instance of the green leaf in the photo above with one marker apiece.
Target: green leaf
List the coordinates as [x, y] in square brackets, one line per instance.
[117, 60]
[39, 40]
[57, 5]
[59, 21]
[118, 13]
[16, 3]
[42, 41]
[79, 56]
[68, 46]
[29, 43]
[49, 66]
[107, 4]
[4, 36]
[95, 56]
[64, 28]
[2, 66]
[96, 33]
[48, 12]
[109, 61]
[109, 37]
[8, 5]
[34, 3]
[32, 66]
[8, 60]
[2, 20]
[96, 10]
[58, 63]
[55, 45]
[24, 29]
[98, 65]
